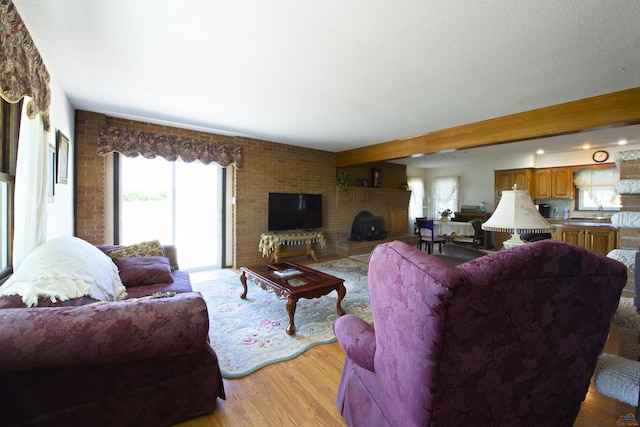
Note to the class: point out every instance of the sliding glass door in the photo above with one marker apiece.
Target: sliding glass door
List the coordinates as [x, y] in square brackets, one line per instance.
[175, 202]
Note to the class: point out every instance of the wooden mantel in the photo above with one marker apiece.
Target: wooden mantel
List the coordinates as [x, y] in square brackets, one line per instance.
[610, 110]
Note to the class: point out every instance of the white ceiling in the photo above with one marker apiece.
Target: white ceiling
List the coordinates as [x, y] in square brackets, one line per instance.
[334, 75]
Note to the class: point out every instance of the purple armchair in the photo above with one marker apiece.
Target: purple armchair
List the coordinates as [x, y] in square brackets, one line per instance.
[511, 338]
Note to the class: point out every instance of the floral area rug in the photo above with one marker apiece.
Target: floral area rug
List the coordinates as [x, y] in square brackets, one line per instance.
[249, 334]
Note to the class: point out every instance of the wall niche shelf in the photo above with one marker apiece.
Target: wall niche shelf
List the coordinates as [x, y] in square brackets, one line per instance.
[368, 194]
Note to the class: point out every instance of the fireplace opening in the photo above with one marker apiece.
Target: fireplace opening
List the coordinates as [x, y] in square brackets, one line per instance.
[366, 226]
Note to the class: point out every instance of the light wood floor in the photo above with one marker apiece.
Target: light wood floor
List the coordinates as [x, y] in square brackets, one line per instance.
[301, 392]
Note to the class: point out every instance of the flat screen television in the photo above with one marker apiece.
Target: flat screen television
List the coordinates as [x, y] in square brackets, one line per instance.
[294, 211]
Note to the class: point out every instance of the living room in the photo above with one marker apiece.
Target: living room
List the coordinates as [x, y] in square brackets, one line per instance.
[81, 206]
[268, 166]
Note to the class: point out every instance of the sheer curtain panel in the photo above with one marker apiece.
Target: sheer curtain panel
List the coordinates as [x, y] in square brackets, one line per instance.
[31, 188]
[416, 202]
[444, 194]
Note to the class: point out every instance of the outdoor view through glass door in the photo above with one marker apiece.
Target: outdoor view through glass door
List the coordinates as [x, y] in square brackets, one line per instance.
[176, 203]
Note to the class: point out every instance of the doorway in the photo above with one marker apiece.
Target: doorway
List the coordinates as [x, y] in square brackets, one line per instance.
[176, 203]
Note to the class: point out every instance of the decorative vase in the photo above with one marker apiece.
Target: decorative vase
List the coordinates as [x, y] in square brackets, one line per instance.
[483, 207]
[445, 219]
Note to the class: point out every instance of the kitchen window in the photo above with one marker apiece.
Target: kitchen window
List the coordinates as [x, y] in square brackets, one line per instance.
[596, 189]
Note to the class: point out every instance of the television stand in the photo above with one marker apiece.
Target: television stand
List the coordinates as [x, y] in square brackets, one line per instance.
[273, 241]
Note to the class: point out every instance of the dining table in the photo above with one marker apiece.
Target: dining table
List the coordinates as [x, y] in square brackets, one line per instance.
[450, 228]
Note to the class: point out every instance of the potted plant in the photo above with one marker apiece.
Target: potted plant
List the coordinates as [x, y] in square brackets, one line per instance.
[342, 181]
[445, 214]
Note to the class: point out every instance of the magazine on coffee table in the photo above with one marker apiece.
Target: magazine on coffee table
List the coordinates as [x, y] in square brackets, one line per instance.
[287, 273]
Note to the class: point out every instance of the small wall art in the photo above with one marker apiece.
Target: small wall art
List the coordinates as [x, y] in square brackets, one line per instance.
[51, 176]
[62, 148]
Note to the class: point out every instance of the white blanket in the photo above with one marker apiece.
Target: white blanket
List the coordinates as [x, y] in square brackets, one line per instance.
[65, 268]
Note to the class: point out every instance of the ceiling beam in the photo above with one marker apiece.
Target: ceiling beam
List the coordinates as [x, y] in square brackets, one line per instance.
[610, 110]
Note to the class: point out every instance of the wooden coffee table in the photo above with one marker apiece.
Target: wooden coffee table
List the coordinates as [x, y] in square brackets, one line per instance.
[303, 282]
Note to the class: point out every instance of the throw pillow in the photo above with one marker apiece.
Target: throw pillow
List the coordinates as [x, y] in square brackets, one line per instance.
[62, 269]
[150, 248]
[136, 271]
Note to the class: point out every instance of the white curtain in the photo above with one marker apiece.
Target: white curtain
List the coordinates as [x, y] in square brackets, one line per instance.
[592, 178]
[598, 185]
[416, 202]
[444, 195]
[30, 198]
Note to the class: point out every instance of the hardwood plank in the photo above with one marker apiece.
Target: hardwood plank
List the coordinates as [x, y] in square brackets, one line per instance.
[614, 109]
[598, 409]
[298, 392]
[302, 391]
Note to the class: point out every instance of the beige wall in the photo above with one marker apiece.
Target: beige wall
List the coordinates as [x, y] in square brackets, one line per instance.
[267, 167]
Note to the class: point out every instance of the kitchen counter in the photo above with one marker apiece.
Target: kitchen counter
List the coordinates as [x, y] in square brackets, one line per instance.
[588, 222]
[594, 234]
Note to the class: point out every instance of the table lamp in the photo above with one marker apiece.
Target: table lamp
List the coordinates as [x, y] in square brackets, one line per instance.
[517, 214]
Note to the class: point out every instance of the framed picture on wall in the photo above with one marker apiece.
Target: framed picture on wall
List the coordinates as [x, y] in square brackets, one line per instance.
[51, 176]
[62, 148]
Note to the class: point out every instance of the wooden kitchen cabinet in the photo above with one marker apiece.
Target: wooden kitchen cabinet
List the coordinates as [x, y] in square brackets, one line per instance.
[599, 239]
[553, 183]
[542, 184]
[561, 183]
[505, 179]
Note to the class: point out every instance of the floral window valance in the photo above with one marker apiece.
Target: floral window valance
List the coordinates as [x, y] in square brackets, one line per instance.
[22, 71]
[593, 178]
[132, 143]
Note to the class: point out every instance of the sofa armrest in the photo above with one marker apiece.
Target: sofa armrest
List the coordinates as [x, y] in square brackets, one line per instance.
[358, 340]
[171, 252]
[45, 338]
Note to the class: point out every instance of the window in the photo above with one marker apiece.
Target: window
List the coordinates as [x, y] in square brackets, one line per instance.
[175, 202]
[444, 191]
[9, 131]
[416, 202]
[596, 189]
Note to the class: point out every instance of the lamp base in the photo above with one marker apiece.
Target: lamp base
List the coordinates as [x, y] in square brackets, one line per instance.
[514, 241]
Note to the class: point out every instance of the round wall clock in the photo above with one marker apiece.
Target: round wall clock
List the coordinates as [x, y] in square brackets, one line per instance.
[600, 156]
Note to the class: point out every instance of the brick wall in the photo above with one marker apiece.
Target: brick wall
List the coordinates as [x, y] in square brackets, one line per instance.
[378, 201]
[629, 239]
[270, 167]
[267, 167]
[89, 179]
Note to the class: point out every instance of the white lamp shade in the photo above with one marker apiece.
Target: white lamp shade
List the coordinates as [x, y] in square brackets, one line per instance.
[517, 213]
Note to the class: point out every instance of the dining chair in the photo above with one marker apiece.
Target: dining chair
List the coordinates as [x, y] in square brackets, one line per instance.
[472, 241]
[427, 236]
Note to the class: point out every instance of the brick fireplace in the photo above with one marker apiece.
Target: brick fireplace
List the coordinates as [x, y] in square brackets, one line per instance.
[367, 226]
[389, 204]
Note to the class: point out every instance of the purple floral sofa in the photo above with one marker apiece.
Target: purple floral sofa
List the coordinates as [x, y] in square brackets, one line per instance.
[509, 338]
[140, 361]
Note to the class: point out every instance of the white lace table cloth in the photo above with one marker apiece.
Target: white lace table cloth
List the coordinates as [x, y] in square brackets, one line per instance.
[269, 241]
[452, 227]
